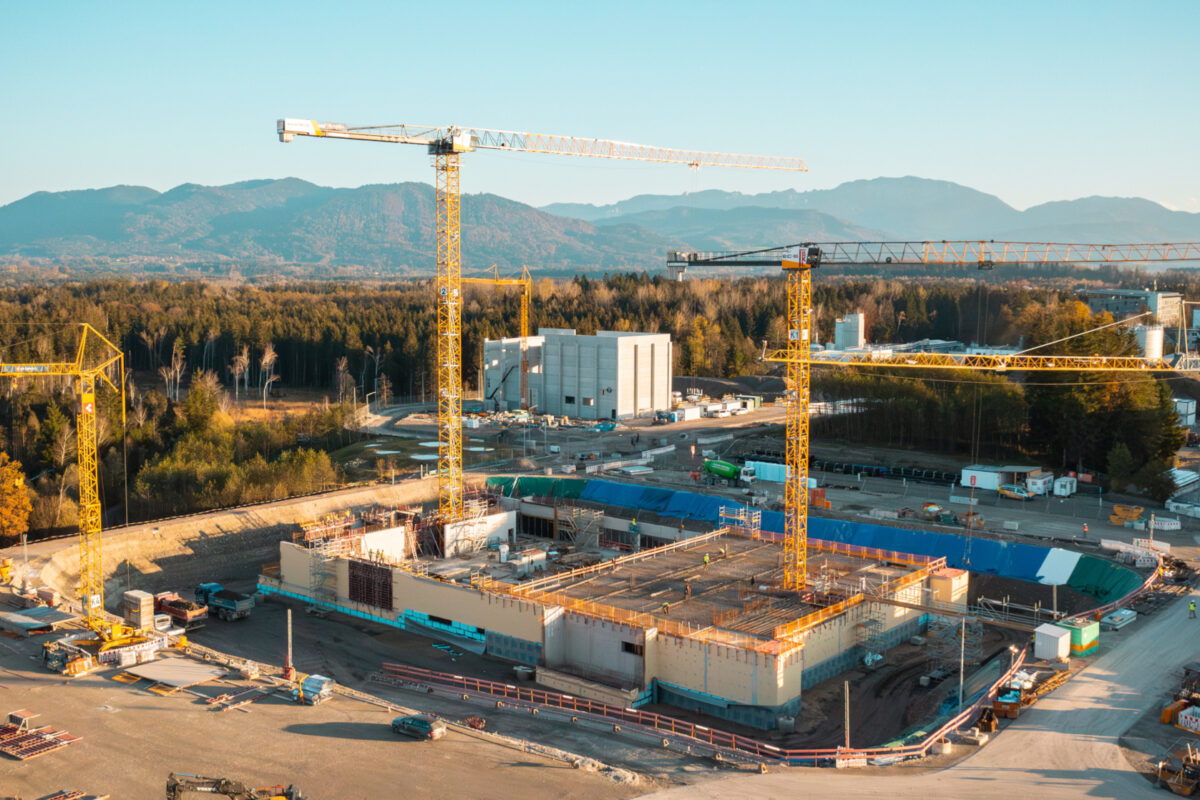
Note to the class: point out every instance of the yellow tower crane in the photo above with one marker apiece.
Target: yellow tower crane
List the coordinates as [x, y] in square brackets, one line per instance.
[526, 284]
[798, 261]
[447, 144]
[95, 358]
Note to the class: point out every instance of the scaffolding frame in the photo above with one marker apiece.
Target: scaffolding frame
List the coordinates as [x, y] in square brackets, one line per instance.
[951, 639]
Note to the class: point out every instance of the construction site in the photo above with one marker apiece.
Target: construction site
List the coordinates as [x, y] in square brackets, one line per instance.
[619, 618]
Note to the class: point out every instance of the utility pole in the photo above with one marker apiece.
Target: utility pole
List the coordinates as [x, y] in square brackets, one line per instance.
[846, 688]
[289, 672]
[962, 657]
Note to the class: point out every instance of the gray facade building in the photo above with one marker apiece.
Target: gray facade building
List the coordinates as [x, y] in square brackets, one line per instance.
[1167, 307]
[612, 375]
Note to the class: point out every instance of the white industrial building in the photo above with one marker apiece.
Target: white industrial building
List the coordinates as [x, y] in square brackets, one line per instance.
[1166, 307]
[612, 375]
[848, 332]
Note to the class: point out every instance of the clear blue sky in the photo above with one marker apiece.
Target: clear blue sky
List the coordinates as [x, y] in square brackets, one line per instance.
[1031, 101]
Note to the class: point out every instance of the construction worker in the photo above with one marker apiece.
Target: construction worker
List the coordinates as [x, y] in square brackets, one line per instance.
[687, 590]
[1191, 609]
[666, 608]
[706, 560]
[1085, 529]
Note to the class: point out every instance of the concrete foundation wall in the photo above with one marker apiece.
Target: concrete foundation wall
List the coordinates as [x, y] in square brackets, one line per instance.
[226, 546]
[471, 535]
[729, 673]
[601, 649]
[496, 613]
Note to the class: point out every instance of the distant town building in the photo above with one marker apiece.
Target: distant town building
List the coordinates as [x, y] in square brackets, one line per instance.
[848, 332]
[1167, 307]
[612, 375]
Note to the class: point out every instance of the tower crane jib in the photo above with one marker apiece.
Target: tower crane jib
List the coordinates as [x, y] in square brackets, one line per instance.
[447, 144]
[798, 261]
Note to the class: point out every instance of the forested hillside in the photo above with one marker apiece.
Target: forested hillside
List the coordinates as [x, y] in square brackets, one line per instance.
[195, 350]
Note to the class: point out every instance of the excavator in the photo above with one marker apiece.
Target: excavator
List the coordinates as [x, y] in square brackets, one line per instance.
[181, 786]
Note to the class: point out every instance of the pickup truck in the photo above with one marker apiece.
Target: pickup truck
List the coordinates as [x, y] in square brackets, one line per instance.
[183, 613]
[227, 604]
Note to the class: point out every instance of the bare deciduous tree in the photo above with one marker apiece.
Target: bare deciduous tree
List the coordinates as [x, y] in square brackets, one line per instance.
[341, 372]
[267, 363]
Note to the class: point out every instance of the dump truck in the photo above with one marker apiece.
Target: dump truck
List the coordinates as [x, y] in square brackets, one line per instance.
[184, 613]
[226, 604]
[731, 473]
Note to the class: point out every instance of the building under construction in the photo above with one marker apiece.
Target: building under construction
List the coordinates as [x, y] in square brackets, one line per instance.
[696, 620]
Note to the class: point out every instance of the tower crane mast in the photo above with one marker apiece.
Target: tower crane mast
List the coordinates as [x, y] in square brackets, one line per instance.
[799, 260]
[526, 284]
[447, 144]
[95, 357]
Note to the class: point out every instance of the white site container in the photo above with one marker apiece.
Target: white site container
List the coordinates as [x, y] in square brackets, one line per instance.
[1040, 483]
[1051, 643]
[1065, 487]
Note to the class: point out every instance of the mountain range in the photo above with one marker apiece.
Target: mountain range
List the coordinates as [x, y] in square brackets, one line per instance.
[389, 229]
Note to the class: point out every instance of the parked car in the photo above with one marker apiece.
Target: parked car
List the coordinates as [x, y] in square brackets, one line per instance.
[419, 726]
[1015, 492]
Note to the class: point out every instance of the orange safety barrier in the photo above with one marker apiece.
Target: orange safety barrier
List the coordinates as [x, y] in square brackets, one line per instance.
[661, 723]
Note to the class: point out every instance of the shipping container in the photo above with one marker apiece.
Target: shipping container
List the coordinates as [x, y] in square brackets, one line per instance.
[978, 477]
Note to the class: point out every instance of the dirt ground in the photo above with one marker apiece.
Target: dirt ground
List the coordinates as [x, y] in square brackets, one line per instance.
[1025, 593]
[1149, 740]
[350, 650]
[132, 738]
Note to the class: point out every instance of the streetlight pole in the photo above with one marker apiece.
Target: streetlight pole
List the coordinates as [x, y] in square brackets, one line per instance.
[962, 658]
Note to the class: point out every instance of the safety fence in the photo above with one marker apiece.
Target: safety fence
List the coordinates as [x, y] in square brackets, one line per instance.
[637, 619]
[660, 724]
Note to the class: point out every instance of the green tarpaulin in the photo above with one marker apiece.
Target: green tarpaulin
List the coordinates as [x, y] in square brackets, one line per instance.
[568, 488]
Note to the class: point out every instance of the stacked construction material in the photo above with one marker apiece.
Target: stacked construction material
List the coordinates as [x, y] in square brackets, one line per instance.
[139, 609]
[1085, 636]
[816, 499]
[1125, 516]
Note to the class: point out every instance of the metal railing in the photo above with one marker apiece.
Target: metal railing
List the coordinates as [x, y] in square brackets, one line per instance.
[662, 724]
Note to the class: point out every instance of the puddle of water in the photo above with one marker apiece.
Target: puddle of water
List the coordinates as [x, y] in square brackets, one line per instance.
[429, 444]
[424, 457]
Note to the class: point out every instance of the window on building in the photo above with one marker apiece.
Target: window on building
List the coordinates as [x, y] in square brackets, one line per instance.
[569, 399]
[630, 647]
[589, 401]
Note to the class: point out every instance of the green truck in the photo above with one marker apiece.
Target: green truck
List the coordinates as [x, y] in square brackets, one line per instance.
[730, 473]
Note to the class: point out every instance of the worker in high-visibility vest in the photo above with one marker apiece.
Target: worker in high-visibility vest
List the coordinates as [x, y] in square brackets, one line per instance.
[1191, 609]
